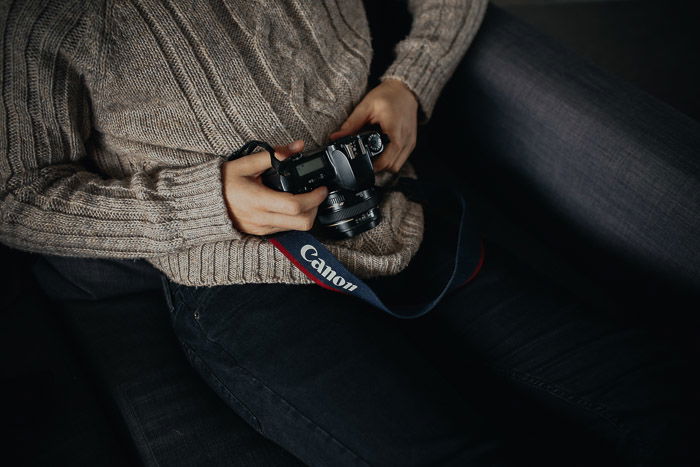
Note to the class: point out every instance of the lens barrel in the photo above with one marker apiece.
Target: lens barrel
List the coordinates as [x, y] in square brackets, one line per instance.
[345, 214]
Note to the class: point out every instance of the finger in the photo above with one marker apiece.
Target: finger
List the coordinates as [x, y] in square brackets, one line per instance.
[252, 164]
[256, 163]
[282, 152]
[280, 222]
[357, 119]
[389, 156]
[382, 164]
[403, 156]
[287, 203]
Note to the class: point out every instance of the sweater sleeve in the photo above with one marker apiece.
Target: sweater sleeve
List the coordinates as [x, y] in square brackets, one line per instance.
[440, 34]
[50, 200]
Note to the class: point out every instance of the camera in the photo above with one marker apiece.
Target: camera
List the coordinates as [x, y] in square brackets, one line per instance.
[345, 167]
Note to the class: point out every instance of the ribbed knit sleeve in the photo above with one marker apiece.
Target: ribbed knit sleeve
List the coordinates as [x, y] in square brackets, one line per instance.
[50, 201]
[440, 34]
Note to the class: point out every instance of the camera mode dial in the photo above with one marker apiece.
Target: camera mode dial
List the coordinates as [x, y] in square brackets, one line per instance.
[374, 142]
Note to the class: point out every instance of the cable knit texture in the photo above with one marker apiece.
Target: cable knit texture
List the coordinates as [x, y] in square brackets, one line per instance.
[116, 115]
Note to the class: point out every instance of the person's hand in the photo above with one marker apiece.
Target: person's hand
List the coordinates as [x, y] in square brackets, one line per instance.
[258, 210]
[394, 107]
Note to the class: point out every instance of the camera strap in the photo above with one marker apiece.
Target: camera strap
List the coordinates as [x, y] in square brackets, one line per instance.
[450, 256]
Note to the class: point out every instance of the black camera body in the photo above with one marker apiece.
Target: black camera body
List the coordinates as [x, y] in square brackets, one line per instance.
[345, 167]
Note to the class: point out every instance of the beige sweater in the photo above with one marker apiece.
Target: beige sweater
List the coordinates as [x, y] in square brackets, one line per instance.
[116, 115]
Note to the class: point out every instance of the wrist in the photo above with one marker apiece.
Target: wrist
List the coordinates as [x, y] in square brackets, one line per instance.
[398, 84]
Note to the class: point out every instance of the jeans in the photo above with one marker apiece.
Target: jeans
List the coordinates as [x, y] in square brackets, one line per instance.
[336, 382]
[510, 369]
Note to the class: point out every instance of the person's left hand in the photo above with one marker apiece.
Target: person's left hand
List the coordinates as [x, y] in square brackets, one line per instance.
[394, 107]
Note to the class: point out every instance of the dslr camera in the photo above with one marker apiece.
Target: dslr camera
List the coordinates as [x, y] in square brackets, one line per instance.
[345, 167]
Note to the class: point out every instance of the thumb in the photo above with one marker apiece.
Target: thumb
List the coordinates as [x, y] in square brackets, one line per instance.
[256, 163]
[353, 123]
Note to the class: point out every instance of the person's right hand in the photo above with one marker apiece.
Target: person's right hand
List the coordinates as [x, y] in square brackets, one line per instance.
[258, 210]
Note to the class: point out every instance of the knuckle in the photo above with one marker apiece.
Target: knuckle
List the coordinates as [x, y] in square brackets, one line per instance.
[294, 208]
[252, 227]
[307, 224]
[290, 206]
[382, 103]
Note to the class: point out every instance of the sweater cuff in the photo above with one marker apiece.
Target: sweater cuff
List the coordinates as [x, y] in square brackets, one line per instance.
[199, 212]
[419, 70]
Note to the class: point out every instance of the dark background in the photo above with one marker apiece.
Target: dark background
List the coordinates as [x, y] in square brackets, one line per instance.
[652, 43]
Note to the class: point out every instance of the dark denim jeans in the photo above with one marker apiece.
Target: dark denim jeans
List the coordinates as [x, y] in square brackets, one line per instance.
[336, 382]
[510, 357]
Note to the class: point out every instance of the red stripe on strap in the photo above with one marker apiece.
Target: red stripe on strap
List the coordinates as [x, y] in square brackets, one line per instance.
[482, 255]
[299, 266]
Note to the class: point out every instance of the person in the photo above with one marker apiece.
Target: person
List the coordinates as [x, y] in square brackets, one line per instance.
[117, 119]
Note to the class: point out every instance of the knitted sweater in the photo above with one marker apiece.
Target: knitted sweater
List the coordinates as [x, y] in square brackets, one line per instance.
[116, 115]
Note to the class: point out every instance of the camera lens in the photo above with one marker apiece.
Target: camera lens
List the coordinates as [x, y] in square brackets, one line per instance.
[345, 214]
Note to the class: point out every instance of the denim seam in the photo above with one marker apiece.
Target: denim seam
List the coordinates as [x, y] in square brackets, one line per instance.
[202, 300]
[178, 293]
[596, 408]
[206, 297]
[167, 291]
[233, 397]
[285, 401]
[128, 406]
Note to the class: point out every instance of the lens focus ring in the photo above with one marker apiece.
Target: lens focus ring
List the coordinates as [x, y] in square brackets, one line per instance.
[326, 218]
[335, 198]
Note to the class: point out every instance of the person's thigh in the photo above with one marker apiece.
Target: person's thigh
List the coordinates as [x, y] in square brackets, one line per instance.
[329, 379]
[619, 381]
[605, 174]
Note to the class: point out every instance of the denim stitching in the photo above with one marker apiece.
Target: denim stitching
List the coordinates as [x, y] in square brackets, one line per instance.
[206, 297]
[125, 403]
[598, 409]
[178, 292]
[193, 298]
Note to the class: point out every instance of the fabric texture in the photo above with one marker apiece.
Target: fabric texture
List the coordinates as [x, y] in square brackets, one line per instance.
[511, 370]
[116, 115]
